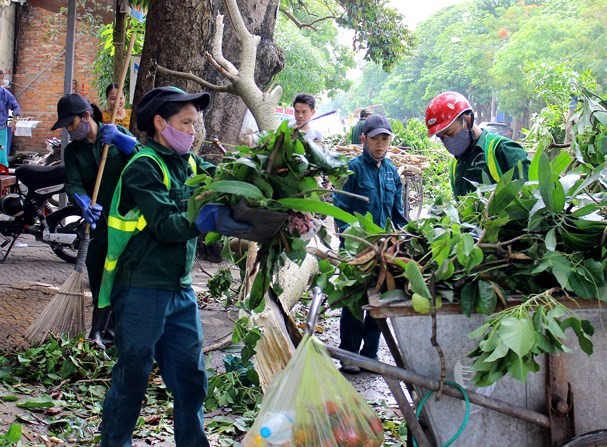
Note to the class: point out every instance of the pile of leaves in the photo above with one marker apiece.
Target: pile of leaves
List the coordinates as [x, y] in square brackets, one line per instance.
[63, 382]
[280, 174]
[514, 239]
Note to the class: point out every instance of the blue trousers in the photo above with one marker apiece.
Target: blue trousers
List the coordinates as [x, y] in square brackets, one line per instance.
[162, 325]
[353, 332]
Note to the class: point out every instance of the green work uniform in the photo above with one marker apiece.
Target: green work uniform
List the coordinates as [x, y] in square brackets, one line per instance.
[504, 155]
[161, 255]
[81, 165]
[357, 131]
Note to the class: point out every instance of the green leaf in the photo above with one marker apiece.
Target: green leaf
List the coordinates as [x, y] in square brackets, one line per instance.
[520, 368]
[468, 298]
[37, 402]
[13, 434]
[550, 240]
[551, 189]
[500, 351]
[505, 191]
[197, 179]
[517, 334]
[236, 187]
[420, 303]
[416, 280]
[393, 295]
[487, 298]
[534, 166]
[560, 162]
[316, 206]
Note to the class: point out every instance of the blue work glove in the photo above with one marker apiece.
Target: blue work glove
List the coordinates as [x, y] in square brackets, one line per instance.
[214, 217]
[90, 213]
[110, 134]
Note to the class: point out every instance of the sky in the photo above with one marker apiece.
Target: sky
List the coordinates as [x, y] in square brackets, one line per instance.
[416, 11]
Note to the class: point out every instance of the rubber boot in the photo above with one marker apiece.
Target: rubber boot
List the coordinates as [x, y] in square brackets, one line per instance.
[98, 326]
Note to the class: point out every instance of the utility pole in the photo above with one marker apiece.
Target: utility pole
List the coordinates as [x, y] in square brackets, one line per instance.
[68, 78]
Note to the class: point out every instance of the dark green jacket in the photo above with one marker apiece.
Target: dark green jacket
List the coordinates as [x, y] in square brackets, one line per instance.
[473, 163]
[81, 165]
[357, 131]
[383, 187]
[160, 256]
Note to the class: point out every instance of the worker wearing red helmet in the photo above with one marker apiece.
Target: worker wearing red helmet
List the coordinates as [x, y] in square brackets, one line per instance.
[478, 154]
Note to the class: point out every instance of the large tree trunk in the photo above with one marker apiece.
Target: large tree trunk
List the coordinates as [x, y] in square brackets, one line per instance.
[226, 112]
[176, 36]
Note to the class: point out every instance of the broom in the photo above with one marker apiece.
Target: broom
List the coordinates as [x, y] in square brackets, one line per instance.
[64, 314]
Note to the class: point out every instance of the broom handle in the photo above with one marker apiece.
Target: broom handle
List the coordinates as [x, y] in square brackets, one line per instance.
[106, 147]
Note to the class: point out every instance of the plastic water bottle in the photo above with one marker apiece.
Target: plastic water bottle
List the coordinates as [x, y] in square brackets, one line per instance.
[277, 428]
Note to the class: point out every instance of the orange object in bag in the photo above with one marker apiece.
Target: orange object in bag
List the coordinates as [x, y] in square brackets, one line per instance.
[310, 404]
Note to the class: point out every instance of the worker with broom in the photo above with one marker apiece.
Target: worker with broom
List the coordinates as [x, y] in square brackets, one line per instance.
[147, 270]
[82, 156]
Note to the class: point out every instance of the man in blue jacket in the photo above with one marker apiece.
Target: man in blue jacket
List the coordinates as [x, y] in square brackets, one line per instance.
[7, 102]
[377, 178]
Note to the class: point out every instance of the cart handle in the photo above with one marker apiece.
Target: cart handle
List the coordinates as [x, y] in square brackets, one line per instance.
[317, 299]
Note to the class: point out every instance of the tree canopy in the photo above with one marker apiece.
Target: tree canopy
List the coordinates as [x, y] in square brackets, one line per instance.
[481, 48]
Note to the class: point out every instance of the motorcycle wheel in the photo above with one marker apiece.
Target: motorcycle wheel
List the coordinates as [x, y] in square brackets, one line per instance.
[67, 220]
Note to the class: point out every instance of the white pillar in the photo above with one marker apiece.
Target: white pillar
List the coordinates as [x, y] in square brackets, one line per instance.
[8, 15]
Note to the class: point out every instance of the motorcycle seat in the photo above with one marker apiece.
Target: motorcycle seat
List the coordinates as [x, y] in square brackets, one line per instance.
[34, 176]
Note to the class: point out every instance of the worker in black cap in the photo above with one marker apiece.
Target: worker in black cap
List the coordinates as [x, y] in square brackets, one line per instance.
[375, 177]
[82, 156]
[147, 270]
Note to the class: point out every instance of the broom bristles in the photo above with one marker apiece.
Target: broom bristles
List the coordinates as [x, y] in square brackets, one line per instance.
[64, 314]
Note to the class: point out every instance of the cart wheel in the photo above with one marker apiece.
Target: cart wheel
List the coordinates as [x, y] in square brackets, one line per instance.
[596, 438]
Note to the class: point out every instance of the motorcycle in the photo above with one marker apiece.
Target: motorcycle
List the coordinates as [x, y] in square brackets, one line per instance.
[29, 212]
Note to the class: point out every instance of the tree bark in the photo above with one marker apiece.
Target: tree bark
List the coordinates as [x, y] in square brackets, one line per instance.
[119, 36]
[176, 36]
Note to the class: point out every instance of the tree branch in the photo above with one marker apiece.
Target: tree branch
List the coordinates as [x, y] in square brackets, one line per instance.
[236, 20]
[217, 52]
[218, 67]
[302, 25]
[192, 77]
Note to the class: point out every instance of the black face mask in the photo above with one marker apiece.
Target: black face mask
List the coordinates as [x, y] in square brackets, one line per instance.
[458, 144]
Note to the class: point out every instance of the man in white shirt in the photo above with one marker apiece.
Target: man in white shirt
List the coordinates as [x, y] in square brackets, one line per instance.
[304, 105]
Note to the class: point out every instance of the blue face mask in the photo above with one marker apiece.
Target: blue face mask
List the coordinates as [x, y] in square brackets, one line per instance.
[458, 144]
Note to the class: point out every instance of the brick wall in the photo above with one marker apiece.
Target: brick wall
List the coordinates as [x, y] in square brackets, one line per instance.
[41, 38]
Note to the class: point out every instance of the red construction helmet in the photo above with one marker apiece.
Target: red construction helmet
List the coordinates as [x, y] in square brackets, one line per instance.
[443, 110]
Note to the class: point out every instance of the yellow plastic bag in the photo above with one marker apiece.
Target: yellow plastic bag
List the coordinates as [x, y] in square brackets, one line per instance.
[310, 404]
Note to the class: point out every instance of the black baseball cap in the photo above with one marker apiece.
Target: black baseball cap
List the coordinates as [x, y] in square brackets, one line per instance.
[153, 100]
[377, 124]
[69, 107]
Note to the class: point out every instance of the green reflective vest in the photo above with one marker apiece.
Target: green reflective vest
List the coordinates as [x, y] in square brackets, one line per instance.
[121, 228]
[495, 171]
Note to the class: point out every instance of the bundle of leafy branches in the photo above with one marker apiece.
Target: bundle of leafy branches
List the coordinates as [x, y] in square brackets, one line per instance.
[534, 241]
[280, 174]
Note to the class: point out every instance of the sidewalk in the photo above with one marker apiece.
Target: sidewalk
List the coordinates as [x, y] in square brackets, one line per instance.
[32, 275]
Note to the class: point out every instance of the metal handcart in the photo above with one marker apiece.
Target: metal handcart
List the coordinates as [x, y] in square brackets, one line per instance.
[562, 405]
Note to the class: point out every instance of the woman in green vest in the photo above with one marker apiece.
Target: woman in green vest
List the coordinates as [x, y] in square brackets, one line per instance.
[82, 156]
[147, 271]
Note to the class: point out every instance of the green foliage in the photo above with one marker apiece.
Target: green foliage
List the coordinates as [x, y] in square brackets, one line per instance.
[220, 286]
[530, 239]
[103, 67]
[278, 175]
[512, 339]
[379, 30]
[315, 62]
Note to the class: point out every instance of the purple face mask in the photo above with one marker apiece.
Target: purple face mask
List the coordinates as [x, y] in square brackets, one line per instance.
[458, 143]
[180, 142]
[81, 131]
